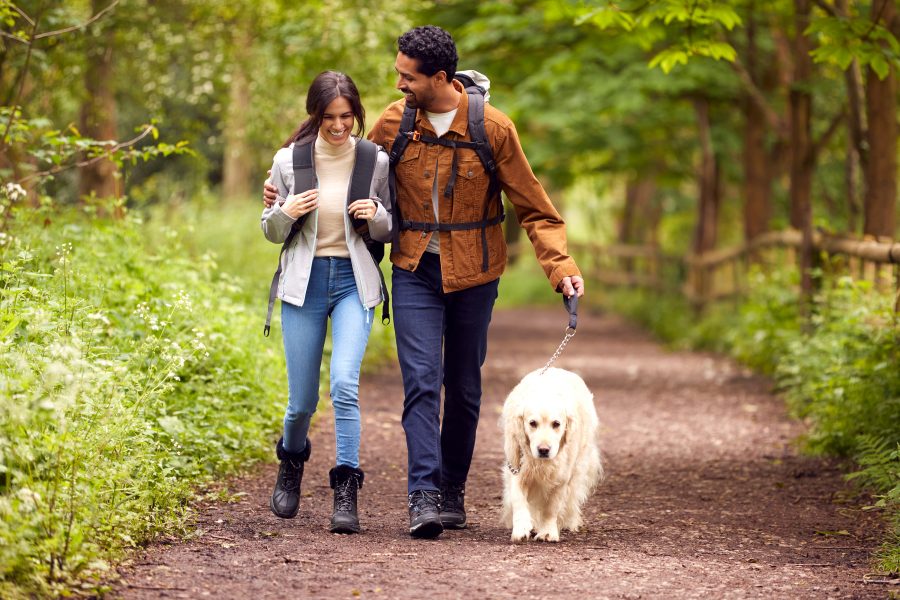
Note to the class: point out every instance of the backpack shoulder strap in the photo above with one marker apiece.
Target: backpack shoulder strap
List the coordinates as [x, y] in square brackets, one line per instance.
[363, 171]
[478, 135]
[407, 125]
[304, 179]
[304, 175]
[361, 187]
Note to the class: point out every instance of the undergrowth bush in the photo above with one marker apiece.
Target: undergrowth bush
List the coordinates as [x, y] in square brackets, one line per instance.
[839, 374]
[133, 369]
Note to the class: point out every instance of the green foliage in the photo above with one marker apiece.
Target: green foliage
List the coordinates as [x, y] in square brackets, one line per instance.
[880, 470]
[52, 150]
[841, 40]
[132, 371]
[840, 376]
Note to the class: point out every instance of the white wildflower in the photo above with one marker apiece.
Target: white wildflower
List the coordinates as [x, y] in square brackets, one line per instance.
[14, 191]
[28, 500]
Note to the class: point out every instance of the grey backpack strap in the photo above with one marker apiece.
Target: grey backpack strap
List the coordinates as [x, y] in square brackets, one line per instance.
[304, 179]
[361, 180]
[360, 187]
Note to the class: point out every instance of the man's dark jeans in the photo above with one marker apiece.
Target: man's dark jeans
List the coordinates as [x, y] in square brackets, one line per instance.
[441, 339]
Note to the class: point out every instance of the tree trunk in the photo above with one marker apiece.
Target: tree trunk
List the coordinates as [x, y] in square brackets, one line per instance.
[851, 186]
[757, 172]
[638, 223]
[881, 110]
[98, 112]
[706, 232]
[237, 163]
[636, 226]
[801, 148]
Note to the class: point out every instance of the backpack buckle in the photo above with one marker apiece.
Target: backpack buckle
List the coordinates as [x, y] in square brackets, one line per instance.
[415, 135]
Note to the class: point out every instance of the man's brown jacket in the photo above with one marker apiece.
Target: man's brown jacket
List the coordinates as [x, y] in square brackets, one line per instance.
[461, 253]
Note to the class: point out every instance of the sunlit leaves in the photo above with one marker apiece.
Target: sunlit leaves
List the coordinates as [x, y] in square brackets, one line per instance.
[670, 57]
[692, 26]
[844, 39]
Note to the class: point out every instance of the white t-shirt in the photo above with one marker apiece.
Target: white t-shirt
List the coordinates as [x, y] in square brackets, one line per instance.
[441, 123]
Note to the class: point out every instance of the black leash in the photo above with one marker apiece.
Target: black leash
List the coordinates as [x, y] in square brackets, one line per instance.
[571, 304]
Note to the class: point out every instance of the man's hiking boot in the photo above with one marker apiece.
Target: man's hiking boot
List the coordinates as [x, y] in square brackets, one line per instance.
[286, 496]
[425, 514]
[453, 506]
[345, 481]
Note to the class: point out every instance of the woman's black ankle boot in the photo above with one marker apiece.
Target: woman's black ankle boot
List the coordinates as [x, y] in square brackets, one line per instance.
[286, 496]
[345, 481]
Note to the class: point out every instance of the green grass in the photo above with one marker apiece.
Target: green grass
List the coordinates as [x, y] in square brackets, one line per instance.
[134, 372]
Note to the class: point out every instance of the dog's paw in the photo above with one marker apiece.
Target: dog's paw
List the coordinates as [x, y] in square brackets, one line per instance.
[548, 535]
[520, 534]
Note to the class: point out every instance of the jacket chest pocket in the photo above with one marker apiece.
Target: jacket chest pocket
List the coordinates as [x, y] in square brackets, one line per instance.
[471, 190]
[409, 163]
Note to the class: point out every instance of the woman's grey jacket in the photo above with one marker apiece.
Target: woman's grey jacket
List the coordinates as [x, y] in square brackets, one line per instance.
[296, 261]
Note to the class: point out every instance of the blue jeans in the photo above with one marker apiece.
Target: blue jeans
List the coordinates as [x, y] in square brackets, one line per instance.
[441, 340]
[331, 292]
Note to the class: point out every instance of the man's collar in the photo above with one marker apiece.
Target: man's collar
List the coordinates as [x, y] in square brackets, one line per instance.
[460, 120]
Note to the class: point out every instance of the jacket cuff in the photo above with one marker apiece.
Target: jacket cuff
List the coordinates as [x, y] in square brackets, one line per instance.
[279, 215]
[569, 269]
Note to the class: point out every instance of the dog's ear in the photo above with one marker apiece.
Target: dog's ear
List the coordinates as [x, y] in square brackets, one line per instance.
[514, 440]
[571, 424]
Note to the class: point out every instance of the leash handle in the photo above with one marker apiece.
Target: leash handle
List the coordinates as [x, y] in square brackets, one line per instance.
[571, 304]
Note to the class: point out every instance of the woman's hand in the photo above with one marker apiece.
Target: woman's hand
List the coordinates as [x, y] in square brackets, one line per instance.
[363, 209]
[299, 204]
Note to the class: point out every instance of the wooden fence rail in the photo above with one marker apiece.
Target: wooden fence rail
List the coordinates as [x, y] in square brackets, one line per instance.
[721, 273]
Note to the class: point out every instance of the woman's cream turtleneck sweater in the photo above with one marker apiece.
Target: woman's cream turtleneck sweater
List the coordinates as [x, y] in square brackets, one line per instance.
[334, 166]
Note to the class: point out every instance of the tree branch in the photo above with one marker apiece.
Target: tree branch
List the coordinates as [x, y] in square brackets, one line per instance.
[22, 14]
[21, 82]
[819, 144]
[826, 7]
[47, 34]
[84, 163]
[758, 97]
[15, 38]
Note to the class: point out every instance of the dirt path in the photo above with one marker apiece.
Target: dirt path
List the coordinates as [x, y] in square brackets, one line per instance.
[705, 498]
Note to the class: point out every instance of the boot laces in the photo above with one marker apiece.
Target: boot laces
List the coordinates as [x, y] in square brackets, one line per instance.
[453, 497]
[422, 500]
[343, 494]
[290, 474]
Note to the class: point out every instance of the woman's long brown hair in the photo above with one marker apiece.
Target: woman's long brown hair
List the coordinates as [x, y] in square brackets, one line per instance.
[327, 86]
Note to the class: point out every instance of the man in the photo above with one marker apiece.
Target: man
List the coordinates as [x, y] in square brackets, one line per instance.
[445, 278]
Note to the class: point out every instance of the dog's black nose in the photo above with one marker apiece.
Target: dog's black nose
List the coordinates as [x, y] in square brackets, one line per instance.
[543, 451]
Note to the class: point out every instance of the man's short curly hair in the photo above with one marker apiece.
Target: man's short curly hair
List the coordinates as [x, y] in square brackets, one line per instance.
[433, 47]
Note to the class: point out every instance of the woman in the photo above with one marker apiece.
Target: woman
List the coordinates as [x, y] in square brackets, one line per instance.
[326, 271]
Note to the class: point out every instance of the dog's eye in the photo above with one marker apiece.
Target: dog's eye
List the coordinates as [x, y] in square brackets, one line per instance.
[532, 424]
[555, 424]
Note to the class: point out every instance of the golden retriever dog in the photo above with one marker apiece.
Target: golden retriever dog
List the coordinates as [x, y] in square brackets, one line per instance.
[552, 459]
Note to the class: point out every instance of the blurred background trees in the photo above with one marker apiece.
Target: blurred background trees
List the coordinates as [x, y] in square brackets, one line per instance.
[687, 123]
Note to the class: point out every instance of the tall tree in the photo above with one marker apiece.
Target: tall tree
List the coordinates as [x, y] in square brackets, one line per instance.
[236, 163]
[98, 109]
[881, 110]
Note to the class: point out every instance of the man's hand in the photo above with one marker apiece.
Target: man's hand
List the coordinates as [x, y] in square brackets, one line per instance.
[570, 285]
[270, 192]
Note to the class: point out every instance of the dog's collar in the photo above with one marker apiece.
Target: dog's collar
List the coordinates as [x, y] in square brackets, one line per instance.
[512, 470]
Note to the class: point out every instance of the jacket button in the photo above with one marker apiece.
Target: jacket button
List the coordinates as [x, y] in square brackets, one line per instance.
[427, 174]
[470, 173]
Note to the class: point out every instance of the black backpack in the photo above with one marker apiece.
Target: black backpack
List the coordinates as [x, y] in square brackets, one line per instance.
[360, 186]
[479, 143]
